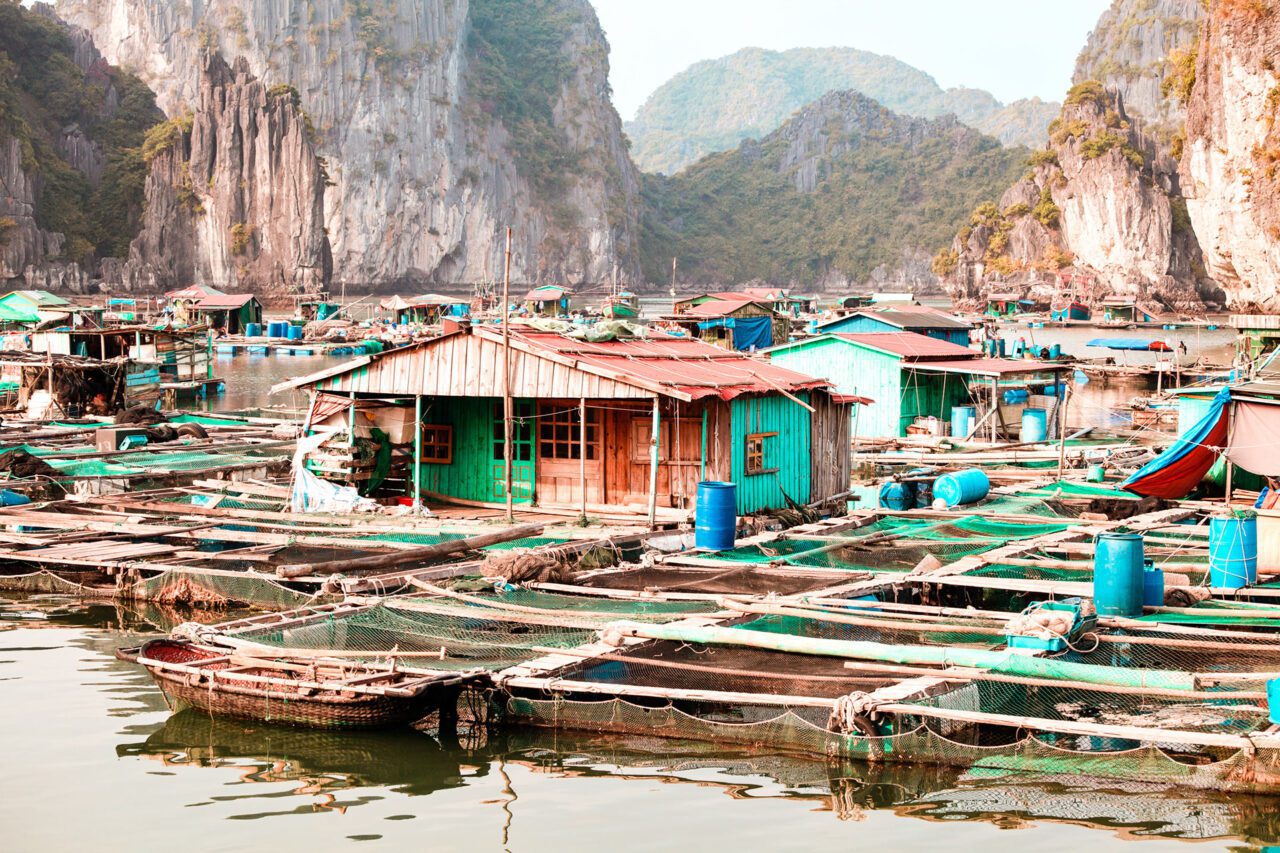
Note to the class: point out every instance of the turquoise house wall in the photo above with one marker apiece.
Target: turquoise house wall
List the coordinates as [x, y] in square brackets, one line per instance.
[788, 451]
[474, 474]
[854, 370]
[870, 325]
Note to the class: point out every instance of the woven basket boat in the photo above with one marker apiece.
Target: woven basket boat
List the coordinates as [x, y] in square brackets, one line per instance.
[325, 694]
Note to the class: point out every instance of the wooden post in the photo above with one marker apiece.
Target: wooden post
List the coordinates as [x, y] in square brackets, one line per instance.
[1227, 459]
[1062, 428]
[653, 468]
[417, 452]
[995, 407]
[582, 454]
[508, 408]
[702, 472]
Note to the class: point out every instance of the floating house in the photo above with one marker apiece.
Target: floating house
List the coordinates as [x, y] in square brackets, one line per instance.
[1257, 333]
[229, 312]
[1006, 305]
[29, 309]
[182, 303]
[548, 301]
[738, 324]
[914, 378]
[925, 321]
[428, 309]
[627, 424]
[1118, 310]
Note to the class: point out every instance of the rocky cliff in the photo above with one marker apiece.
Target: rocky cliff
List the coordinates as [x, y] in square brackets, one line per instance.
[1135, 47]
[1231, 158]
[845, 192]
[71, 180]
[442, 122]
[235, 194]
[714, 105]
[1102, 201]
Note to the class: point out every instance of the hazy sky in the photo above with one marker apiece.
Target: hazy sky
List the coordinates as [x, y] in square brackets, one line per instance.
[1012, 48]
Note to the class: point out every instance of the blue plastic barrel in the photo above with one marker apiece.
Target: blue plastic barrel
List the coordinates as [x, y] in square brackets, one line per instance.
[295, 333]
[716, 520]
[1035, 424]
[1003, 348]
[1118, 575]
[898, 496]
[962, 418]
[1273, 700]
[963, 487]
[1233, 551]
[1016, 395]
[1152, 586]
[253, 330]
[1055, 351]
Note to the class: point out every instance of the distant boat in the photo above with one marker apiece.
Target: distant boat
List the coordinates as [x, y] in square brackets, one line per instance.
[622, 306]
[1070, 310]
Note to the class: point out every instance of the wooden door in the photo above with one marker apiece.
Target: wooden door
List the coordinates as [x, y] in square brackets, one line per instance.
[560, 447]
[522, 453]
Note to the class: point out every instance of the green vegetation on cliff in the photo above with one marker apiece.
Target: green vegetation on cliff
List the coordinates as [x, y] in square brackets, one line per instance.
[714, 105]
[843, 188]
[43, 92]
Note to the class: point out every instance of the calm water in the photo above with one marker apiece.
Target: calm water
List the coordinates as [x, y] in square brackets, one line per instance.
[94, 760]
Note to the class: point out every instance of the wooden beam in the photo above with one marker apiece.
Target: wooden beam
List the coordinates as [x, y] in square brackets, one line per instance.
[416, 555]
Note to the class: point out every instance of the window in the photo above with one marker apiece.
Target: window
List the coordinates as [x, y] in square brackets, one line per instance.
[560, 433]
[437, 444]
[521, 431]
[755, 457]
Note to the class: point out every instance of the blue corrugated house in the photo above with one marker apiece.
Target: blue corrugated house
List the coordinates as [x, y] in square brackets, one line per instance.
[921, 321]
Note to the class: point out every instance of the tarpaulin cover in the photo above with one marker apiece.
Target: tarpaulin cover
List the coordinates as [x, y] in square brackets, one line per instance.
[1127, 343]
[752, 333]
[1255, 437]
[1174, 473]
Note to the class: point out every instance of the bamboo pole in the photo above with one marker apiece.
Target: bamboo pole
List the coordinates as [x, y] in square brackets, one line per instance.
[417, 453]
[582, 454]
[416, 555]
[508, 407]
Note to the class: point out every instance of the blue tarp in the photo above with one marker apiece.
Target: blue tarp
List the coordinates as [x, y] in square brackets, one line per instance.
[1174, 473]
[1122, 343]
[752, 333]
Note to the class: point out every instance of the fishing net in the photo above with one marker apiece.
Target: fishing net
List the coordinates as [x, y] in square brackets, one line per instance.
[893, 556]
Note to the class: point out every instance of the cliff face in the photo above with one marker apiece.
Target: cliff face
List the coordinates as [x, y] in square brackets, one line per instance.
[71, 185]
[442, 122]
[235, 194]
[1101, 200]
[714, 105]
[846, 192]
[1133, 48]
[1231, 158]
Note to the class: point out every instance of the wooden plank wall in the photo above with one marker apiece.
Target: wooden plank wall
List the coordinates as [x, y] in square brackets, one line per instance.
[831, 465]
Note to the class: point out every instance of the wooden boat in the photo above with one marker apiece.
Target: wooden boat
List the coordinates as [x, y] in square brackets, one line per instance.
[319, 693]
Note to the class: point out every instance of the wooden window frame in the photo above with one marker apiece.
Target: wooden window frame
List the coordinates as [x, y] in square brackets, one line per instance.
[436, 438]
[559, 433]
[753, 458]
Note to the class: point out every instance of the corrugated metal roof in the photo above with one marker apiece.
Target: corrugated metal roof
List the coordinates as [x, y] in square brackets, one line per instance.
[546, 293]
[195, 291]
[909, 345]
[988, 366]
[721, 307]
[225, 300]
[917, 319]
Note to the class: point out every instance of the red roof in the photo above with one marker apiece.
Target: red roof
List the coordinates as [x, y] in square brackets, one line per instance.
[195, 291]
[909, 345]
[546, 293]
[685, 365]
[721, 307]
[990, 366]
[225, 300]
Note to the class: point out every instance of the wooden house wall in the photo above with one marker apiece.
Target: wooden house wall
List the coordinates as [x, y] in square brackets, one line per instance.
[628, 430]
[477, 472]
[857, 370]
[788, 452]
[471, 366]
[830, 463]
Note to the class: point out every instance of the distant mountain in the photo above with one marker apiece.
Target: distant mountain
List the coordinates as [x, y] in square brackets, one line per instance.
[714, 105]
[846, 191]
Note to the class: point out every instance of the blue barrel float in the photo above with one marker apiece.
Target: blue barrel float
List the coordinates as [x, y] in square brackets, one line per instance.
[962, 418]
[1152, 585]
[963, 487]
[295, 333]
[1035, 424]
[716, 518]
[1055, 351]
[1273, 700]
[1233, 550]
[898, 496]
[253, 330]
[1118, 568]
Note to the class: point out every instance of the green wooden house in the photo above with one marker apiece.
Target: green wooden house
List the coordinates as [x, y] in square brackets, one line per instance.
[619, 425]
[909, 376]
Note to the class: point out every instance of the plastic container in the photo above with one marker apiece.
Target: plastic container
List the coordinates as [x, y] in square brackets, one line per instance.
[898, 496]
[1035, 425]
[1118, 575]
[295, 333]
[1233, 550]
[962, 419]
[253, 330]
[8, 498]
[1097, 474]
[716, 522]
[1055, 352]
[1273, 700]
[1016, 395]
[1152, 586]
[963, 487]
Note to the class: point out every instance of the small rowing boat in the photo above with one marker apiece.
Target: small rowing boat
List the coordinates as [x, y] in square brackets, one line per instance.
[320, 693]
